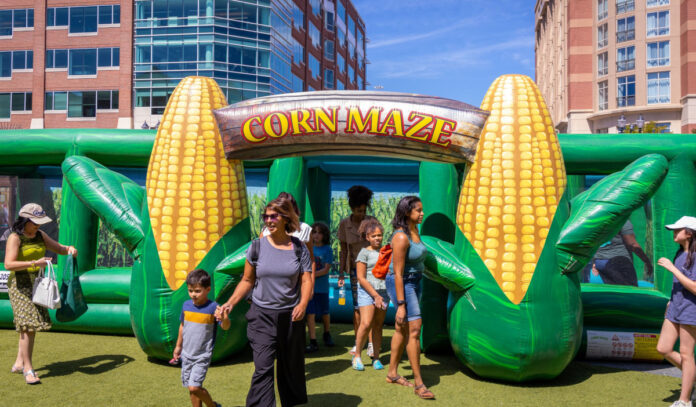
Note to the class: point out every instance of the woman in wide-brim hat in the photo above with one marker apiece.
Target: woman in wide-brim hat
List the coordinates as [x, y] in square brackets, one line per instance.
[24, 257]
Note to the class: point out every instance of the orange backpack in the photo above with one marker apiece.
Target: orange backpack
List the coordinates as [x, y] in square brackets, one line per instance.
[381, 268]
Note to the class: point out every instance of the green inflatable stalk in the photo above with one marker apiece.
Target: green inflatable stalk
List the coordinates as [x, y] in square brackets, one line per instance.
[288, 175]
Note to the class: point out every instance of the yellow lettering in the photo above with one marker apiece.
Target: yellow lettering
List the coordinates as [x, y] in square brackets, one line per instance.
[440, 130]
[282, 122]
[329, 122]
[395, 122]
[418, 125]
[299, 118]
[246, 130]
[360, 123]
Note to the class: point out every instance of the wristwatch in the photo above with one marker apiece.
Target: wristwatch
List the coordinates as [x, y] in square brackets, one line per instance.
[401, 302]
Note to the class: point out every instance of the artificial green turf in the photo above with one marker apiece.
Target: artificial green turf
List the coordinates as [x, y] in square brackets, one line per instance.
[96, 370]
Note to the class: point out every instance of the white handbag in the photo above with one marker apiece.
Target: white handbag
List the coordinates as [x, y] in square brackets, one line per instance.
[46, 292]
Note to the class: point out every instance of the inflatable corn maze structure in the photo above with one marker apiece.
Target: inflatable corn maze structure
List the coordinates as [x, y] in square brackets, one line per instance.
[508, 225]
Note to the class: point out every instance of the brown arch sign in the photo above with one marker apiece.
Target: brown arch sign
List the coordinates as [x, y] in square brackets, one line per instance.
[389, 124]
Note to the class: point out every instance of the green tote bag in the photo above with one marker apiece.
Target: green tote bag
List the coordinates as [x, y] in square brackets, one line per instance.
[71, 297]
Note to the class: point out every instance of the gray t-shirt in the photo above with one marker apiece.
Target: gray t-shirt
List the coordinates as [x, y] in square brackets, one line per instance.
[369, 257]
[615, 247]
[278, 275]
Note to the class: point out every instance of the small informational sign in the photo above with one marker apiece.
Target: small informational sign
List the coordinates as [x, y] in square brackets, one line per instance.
[622, 345]
[4, 276]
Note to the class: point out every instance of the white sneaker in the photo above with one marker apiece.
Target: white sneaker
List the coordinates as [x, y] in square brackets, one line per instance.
[370, 350]
[680, 403]
[352, 350]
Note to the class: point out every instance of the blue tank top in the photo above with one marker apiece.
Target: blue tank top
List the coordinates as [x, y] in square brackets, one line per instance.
[415, 256]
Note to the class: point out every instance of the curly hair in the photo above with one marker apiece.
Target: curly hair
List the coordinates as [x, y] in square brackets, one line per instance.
[359, 195]
[367, 226]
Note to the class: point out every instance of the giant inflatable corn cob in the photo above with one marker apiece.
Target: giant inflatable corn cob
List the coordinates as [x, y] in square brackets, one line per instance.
[194, 216]
[524, 320]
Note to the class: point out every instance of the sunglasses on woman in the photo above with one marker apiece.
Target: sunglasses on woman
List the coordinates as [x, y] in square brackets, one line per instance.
[272, 217]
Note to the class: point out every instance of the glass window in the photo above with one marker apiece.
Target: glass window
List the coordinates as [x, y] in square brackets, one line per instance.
[104, 57]
[603, 101]
[625, 59]
[316, 6]
[340, 85]
[625, 29]
[624, 6]
[83, 19]
[340, 63]
[351, 74]
[82, 104]
[248, 56]
[658, 87]
[297, 84]
[57, 16]
[658, 23]
[351, 25]
[658, 54]
[20, 18]
[602, 9]
[5, 105]
[314, 34]
[6, 64]
[328, 79]
[341, 37]
[602, 36]
[329, 21]
[56, 101]
[603, 64]
[329, 50]
[341, 10]
[83, 62]
[105, 99]
[60, 58]
[111, 14]
[314, 66]
[656, 3]
[21, 101]
[297, 17]
[663, 127]
[297, 52]
[626, 91]
[5, 25]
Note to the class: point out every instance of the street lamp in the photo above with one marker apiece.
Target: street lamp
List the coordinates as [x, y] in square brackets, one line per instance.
[621, 124]
[640, 123]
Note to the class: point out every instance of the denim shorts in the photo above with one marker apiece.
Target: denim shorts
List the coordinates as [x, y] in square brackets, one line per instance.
[319, 304]
[364, 299]
[411, 293]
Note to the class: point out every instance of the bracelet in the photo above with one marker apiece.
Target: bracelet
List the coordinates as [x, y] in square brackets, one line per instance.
[33, 263]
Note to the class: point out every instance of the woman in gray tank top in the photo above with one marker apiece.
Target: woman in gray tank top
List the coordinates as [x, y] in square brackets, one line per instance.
[403, 287]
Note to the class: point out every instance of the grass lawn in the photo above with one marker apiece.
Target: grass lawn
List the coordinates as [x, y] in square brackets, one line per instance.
[98, 370]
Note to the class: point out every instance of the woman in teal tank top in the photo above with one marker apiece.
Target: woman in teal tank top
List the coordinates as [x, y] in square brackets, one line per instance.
[24, 257]
[403, 287]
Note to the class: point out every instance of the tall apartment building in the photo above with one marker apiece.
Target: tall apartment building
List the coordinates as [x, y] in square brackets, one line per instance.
[597, 60]
[114, 63]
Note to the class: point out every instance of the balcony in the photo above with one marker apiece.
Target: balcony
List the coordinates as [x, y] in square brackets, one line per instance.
[623, 101]
[627, 35]
[625, 65]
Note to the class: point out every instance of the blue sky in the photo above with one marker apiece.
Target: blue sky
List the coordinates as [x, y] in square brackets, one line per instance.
[448, 48]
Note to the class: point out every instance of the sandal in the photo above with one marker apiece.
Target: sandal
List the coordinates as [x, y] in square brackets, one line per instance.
[399, 380]
[423, 392]
[31, 373]
[17, 369]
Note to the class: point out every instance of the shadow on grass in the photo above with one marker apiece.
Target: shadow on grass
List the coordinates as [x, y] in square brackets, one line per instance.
[327, 399]
[343, 337]
[90, 365]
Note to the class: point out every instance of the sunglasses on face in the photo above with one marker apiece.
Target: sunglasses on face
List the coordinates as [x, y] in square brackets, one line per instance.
[272, 217]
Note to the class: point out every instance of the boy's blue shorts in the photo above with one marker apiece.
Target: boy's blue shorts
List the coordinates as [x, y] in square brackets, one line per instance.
[319, 304]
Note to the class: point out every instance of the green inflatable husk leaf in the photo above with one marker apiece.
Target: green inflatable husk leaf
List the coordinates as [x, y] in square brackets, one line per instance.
[442, 266]
[599, 213]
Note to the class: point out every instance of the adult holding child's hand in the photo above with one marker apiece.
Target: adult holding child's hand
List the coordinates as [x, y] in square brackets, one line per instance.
[279, 271]
[24, 257]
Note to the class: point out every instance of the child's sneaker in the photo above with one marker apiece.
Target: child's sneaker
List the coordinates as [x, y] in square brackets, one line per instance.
[328, 340]
[352, 350]
[377, 365]
[680, 403]
[357, 364]
[312, 347]
[370, 350]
